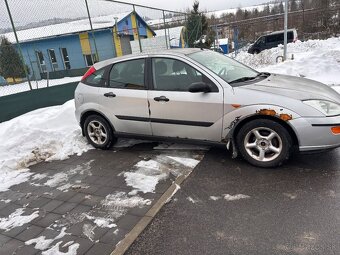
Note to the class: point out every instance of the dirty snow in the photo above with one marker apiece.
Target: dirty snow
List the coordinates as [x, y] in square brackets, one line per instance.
[177, 188]
[146, 174]
[17, 219]
[176, 146]
[314, 59]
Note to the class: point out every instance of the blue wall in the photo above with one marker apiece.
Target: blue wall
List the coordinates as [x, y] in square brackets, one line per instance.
[104, 42]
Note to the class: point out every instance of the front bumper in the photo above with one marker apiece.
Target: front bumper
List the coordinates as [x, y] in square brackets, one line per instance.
[315, 134]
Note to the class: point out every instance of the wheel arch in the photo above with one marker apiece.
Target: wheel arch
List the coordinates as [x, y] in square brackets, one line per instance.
[288, 127]
[88, 113]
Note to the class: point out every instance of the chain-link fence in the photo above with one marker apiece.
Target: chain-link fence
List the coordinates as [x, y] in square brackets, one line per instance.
[242, 27]
[48, 43]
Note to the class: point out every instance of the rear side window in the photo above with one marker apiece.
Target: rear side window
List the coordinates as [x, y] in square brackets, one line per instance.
[96, 79]
[174, 75]
[128, 75]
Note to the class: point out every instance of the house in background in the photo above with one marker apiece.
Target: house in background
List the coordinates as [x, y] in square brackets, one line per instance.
[67, 49]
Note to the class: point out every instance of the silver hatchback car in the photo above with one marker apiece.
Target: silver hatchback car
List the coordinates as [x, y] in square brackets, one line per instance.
[194, 95]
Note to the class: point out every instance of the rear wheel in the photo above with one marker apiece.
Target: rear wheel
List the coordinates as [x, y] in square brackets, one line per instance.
[264, 143]
[99, 132]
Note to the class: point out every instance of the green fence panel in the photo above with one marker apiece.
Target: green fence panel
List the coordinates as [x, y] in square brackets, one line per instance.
[15, 105]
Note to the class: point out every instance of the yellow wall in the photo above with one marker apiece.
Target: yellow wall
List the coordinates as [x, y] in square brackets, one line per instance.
[182, 37]
[149, 33]
[117, 42]
[85, 43]
[134, 26]
[10, 80]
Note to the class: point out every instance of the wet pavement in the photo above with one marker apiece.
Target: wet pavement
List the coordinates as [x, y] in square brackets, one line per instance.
[229, 207]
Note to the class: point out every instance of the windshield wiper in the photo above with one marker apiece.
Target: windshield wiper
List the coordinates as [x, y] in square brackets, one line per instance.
[243, 79]
[265, 75]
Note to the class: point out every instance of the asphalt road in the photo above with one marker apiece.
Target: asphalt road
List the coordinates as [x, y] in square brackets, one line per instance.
[294, 209]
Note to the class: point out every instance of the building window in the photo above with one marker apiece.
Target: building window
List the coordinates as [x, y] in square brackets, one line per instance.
[41, 61]
[66, 59]
[126, 22]
[139, 25]
[53, 59]
[90, 59]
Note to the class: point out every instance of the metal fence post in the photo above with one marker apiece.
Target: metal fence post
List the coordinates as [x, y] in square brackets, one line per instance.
[166, 37]
[92, 32]
[19, 46]
[285, 29]
[137, 27]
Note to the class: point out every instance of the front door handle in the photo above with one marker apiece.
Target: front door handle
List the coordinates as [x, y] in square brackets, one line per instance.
[110, 94]
[161, 99]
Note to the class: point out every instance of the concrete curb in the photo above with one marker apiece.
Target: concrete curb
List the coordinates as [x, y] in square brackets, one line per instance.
[124, 244]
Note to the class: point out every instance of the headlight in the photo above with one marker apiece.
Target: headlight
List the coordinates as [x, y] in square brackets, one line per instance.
[326, 107]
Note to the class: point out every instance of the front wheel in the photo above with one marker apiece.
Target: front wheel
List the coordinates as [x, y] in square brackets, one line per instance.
[99, 132]
[264, 143]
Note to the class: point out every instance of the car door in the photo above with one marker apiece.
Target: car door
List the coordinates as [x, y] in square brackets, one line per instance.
[125, 97]
[176, 112]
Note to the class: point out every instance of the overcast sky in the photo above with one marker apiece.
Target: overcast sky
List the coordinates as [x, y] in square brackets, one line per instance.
[205, 4]
[25, 12]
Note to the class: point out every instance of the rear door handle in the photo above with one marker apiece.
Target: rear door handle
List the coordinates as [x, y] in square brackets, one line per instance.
[110, 94]
[161, 99]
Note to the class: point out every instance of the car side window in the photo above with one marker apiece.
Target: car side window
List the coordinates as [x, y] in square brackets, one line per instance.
[96, 79]
[174, 75]
[128, 75]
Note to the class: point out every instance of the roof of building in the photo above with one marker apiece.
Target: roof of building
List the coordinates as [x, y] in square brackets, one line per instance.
[174, 34]
[72, 27]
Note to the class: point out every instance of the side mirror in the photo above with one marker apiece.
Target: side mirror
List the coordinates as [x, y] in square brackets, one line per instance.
[199, 87]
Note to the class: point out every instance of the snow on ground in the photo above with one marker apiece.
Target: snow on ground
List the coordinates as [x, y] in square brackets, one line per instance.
[17, 219]
[145, 175]
[45, 134]
[229, 197]
[314, 59]
[22, 87]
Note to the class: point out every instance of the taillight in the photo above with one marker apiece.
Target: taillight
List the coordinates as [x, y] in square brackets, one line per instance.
[88, 73]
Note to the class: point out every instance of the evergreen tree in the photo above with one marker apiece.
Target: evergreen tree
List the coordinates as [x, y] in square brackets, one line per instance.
[293, 5]
[199, 34]
[11, 65]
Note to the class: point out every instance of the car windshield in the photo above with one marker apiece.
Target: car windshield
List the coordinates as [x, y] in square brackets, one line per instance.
[228, 69]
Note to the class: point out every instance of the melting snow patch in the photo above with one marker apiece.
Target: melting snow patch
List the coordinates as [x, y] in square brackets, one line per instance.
[9, 178]
[124, 143]
[41, 243]
[16, 219]
[175, 146]
[235, 197]
[148, 174]
[54, 250]
[214, 198]
[192, 200]
[173, 193]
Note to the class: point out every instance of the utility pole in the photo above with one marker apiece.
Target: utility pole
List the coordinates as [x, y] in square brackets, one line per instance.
[285, 31]
[92, 32]
[19, 46]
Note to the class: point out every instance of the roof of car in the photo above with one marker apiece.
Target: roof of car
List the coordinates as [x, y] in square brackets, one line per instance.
[173, 52]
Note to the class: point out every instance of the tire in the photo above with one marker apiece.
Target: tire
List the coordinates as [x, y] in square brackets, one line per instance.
[99, 132]
[264, 143]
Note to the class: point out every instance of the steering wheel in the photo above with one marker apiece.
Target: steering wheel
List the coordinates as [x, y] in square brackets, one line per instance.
[223, 72]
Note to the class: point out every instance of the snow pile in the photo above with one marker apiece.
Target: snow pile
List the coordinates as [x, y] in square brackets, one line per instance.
[16, 219]
[314, 59]
[45, 134]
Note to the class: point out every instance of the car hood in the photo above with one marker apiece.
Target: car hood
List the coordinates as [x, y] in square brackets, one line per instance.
[295, 87]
